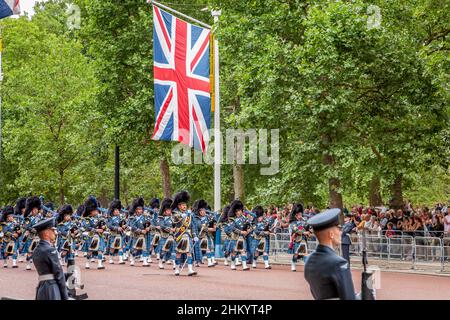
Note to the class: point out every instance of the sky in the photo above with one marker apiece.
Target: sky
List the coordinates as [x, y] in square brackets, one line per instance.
[27, 5]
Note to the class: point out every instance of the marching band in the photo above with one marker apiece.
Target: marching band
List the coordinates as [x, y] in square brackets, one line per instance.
[167, 231]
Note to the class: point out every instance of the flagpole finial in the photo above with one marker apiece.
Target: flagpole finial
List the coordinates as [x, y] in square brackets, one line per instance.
[216, 13]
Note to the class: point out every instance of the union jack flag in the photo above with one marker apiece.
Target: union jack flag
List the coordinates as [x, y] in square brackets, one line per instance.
[8, 8]
[181, 80]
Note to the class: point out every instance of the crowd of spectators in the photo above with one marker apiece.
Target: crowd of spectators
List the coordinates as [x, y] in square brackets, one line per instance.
[412, 221]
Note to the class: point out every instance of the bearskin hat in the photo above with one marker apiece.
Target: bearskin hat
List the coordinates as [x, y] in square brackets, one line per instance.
[198, 205]
[296, 208]
[7, 211]
[180, 197]
[224, 215]
[49, 206]
[64, 210]
[115, 204]
[80, 210]
[258, 211]
[236, 205]
[89, 205]
[166, 204]
[31, 203]
[20, 204]
[154, 203]
[138, 202]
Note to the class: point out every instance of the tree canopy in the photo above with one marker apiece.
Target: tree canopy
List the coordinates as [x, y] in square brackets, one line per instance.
[359, 91]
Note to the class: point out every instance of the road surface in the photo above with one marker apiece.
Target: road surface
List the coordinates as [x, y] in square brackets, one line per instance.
[124, 282]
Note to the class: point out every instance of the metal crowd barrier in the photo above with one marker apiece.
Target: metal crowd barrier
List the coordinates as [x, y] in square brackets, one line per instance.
[419, 251]
[432, 252]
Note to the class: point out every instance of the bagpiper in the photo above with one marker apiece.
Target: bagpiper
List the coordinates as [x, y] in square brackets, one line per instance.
[80, 241]
[66, 233]
[127, 238]
[150, 224]
[260, 238]
[10, 235]
[224, 225]
[238, 225]
[166, 245]
[139, 230]
[213, 217]
[298, 231]
[201, 224]
[185, 234]
[19, 212]
[117, 226]
[48, 210]
[30, 239]
[93, 226]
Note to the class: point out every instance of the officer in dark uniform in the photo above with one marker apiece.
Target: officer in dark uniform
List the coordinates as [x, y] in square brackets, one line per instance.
[327, 273]
[348, 227]
[52, 283]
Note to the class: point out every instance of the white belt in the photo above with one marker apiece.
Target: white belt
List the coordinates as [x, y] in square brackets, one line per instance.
[46, 277]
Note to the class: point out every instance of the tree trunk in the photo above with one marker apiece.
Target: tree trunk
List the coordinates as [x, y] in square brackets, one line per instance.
[165, 175]
[238, 177]
[333, 183]
[374, 192]
[397, 194]
[335, 196]
[104, 198]
[61, 188]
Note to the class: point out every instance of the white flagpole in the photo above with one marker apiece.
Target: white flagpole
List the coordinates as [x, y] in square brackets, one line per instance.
[217, 135]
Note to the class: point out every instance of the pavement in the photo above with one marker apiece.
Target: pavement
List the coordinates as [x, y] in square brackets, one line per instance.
[123, 282]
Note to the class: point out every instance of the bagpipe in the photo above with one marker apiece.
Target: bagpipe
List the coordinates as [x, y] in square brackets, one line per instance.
[152, 210]
[249, 224]
[99, 223]
[297, 233]
[11, 236]
[47, 209]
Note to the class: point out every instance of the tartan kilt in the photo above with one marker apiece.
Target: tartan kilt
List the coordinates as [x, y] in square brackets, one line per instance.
[197, 252]
[166, 255]
[148, 242]
[101, 244]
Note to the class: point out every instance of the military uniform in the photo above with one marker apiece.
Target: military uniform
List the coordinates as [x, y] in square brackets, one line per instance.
[185, 234]
[151, 223]
[11, 232]
[238, 242]
[326, 272]
[65, 229]
[95, 243]
[259, 239]
[201, 224]
[166, 243]
[346, 241]
[139, 231]
[52, 282]
[116, 226]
